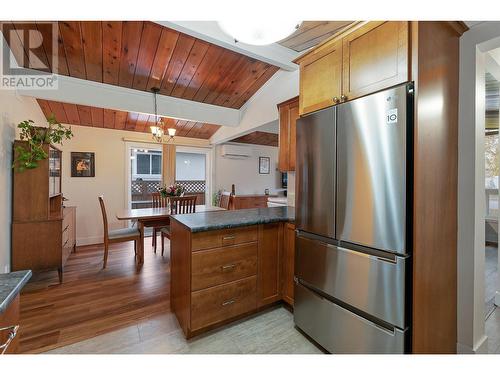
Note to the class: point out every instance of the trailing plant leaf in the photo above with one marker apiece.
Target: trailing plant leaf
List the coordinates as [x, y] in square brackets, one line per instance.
[28, 157]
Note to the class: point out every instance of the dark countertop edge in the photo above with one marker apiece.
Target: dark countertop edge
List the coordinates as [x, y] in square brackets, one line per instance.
[231, 225]
[23, 277]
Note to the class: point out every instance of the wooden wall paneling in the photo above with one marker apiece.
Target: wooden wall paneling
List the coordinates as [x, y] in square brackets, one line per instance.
[181, 52]
[255, 71]
[217, 73]
[166, 46]
[57, 109]
[71, 113]
[72, 40]
[131, 39]
[196, 55]
[435, 189]
[148, 47]
[111, 51]
[131, 121]
[253, 89]
[45, 30]
[62, 61]
[229, 79]
[187, 127]
[195, 130]
[204, 69]
[85, 115]
[109, 118]
[120, 120]
[92, 49]
[142, 121]
[97, 115]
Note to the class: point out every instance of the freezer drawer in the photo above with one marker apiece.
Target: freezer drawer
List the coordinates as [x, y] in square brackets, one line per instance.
[369, 283]
[340, 331]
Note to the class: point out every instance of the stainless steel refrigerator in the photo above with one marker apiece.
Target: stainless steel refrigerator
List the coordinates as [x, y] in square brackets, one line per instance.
[353, 219]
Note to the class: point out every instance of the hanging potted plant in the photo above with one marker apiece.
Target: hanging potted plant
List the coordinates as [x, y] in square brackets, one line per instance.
[27, 157]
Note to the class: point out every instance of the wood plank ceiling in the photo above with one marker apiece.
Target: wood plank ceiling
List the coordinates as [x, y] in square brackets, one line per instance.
[141, 55]
[111, 119]
[259, 138]
[311, 33]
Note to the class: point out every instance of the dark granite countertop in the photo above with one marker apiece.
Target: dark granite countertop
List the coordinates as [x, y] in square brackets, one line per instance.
[205, 221]
[10, 286]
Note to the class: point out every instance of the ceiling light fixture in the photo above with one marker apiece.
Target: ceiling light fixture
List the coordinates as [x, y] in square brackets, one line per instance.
[158, 130]
[258, 32]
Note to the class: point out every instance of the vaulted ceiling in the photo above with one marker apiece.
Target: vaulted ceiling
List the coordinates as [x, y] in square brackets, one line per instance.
[258, 138]
[311, 33]
[112, 119]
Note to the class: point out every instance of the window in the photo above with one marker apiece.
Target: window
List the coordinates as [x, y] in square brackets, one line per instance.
[146, 164]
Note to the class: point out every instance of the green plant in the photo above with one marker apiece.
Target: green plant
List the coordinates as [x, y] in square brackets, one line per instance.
[29, 156]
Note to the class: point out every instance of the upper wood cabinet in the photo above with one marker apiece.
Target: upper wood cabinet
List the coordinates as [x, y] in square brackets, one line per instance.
[288, 115]
[366, 58]
[375, 57]
[321, 78]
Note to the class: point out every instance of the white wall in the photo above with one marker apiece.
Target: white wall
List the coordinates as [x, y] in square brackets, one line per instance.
[14, 109]
[244, 173]
[471, 195]
[109, 180]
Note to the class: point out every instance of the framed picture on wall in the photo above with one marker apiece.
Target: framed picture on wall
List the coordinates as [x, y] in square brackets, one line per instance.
[264, 164]
[82, 164]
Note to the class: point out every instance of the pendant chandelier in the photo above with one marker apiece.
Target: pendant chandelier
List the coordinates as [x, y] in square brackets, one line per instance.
[158, 130]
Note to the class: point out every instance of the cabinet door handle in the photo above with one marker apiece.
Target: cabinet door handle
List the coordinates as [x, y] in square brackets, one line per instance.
[227, 303]
[225, 238]
[12, 335]
[228, 267]
[336, 100]
[343, 98]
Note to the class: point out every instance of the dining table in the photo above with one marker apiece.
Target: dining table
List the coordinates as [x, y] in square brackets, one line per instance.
[153, 217]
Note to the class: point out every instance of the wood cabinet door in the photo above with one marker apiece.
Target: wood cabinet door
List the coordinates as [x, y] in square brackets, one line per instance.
[321, 78]
[375, 57]
[284, 115]
[269, 273]
[288, 263]
[288, 115]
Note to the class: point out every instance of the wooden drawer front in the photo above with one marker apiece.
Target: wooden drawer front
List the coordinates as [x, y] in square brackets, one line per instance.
[222, 265]
[213, 305]
[225, 237]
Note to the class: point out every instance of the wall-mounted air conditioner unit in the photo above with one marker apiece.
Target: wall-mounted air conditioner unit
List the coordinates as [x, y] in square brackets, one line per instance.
[235, 152]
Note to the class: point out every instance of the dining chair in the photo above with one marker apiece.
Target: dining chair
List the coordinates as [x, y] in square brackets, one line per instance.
[158, 201]
[116, 235]
[178, 205]
[225, 200]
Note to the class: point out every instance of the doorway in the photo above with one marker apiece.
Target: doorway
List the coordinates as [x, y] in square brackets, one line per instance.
[193, 171]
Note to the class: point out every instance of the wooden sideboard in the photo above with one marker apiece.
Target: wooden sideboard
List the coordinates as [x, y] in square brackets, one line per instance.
[43, 232]
[221, 275]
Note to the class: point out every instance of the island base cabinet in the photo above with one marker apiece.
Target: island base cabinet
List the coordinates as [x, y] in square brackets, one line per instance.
[216, 304]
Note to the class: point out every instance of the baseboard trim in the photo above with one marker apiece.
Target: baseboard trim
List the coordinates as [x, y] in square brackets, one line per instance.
[480, 348]
[83, 241]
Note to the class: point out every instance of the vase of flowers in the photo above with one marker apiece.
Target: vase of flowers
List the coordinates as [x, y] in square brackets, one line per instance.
[174, 190]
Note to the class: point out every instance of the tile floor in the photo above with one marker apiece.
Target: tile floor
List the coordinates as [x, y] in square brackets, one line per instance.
[271, 332]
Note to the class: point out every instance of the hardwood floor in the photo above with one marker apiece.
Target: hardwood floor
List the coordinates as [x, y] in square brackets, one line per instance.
[92, 301]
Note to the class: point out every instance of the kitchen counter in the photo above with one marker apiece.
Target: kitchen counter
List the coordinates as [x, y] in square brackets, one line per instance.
[10, 286]
[206, 221]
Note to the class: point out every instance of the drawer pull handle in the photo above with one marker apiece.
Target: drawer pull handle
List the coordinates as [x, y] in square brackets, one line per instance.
[228, 267]
[65, 229]
[12, 335]
[227, 303]
[225, 238]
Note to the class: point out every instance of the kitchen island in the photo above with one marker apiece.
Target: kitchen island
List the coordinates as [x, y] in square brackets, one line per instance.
[229, 264]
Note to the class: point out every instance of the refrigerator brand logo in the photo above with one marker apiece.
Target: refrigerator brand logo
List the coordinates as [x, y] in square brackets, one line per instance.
[392, 116]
